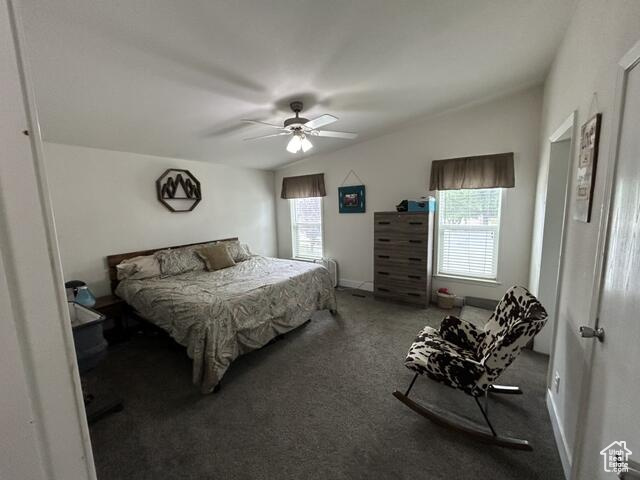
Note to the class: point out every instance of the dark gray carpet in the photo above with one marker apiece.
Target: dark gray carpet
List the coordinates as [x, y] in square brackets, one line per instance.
[315, 405]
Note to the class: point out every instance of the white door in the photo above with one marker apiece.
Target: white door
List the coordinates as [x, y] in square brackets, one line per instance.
[611, 401]
[43, 427]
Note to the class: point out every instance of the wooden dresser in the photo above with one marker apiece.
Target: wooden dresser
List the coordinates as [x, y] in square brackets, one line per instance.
[402, 252]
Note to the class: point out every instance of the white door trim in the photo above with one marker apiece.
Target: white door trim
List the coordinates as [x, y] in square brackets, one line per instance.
[628, 61]
[559, 435]
[568, 125]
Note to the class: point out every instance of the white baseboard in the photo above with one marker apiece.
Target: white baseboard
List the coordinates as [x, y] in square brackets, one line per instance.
[359, 284]
[558, 433]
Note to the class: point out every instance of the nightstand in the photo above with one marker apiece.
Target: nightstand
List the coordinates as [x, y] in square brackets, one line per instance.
[115, 309]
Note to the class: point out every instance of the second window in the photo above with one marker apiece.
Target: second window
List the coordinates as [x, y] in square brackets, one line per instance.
[468, 233]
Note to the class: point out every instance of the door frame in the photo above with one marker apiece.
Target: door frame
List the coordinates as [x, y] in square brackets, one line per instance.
[626, 63]
[568, 125]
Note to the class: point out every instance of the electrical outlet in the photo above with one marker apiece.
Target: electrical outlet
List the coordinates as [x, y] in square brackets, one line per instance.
[556, 382]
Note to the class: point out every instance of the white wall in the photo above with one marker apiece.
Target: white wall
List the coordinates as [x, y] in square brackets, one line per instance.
[600, 32]
[396, 166]
[105, 203]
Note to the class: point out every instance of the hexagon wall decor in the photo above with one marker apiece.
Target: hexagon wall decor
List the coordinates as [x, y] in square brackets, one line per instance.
[178, 190]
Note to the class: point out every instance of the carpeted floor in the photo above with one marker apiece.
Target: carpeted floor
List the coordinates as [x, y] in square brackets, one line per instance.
[315, 405]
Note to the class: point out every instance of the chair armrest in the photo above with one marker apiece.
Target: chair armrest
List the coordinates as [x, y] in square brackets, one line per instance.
[461, 333]
[457, 371]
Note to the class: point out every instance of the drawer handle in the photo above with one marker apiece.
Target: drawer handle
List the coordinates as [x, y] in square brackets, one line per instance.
[415, 223]
[413, 294]
[414, 259]
[384, 223]
[383, 273]
[383, 256]
[415, 241]
[383, 239]
[417, 277]
[383, 289]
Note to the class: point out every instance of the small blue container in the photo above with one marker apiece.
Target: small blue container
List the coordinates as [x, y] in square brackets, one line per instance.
[427, 205]
[85, 297]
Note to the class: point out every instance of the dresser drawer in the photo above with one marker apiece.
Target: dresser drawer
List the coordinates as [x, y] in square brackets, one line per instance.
[400, 250]
[400, 282]
[385, 260]
[399, 219]
[415, 227]
[390, 293]
[400, 237]
[412, 243]
[402, 275]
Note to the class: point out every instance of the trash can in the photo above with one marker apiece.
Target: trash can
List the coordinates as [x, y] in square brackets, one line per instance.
[446, 300]
[91, 347]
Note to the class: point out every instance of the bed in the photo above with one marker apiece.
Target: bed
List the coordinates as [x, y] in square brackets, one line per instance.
[221, 315]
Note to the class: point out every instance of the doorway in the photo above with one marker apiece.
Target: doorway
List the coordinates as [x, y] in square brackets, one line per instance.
[555, 209]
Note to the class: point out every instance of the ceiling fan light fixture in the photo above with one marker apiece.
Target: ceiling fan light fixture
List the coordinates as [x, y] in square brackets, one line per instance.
[294, 144]
[301, 129]
[306, 145]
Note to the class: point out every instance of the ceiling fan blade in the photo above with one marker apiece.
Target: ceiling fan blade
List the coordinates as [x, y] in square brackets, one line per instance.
[258, 122]
[321, 121]
[330, 133]
[267, 136]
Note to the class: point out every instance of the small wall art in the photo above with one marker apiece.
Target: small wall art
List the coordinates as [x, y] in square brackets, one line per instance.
[178, 190]
[587, 163]
[352, 199]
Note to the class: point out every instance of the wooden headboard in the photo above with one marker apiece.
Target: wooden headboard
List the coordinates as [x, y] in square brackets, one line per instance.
[113, 260]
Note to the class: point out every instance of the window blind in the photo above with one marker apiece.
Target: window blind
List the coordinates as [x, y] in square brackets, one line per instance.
[306, 227]
[468, 232]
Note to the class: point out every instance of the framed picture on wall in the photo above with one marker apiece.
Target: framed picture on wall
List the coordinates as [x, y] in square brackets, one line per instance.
[587, 163]
[351, 199]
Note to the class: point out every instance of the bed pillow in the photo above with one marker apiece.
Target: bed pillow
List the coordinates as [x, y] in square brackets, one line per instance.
[237, 251]
[216, 257]
[179, 260]
[247, 249]
[138, 268]
[124, 270]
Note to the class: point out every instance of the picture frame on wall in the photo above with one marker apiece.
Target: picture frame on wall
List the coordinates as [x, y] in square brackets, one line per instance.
[587, 163]
[352, 199]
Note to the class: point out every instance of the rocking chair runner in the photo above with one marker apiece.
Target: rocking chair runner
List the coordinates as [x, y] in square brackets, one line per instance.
[470, 359]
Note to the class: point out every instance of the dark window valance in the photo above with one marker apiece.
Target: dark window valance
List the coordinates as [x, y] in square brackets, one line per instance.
[303, 186]
[483, 171]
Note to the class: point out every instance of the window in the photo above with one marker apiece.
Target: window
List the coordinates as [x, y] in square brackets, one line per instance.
[468, 232]
[306, 227]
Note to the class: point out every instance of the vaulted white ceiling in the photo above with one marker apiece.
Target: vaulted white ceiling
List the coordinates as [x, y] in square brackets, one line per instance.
[174, 78]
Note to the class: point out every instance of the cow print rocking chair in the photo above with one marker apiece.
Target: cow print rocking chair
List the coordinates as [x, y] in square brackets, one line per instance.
[470, 359]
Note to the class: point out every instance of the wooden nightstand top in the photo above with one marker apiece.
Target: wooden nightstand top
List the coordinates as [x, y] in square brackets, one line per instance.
[108, 301]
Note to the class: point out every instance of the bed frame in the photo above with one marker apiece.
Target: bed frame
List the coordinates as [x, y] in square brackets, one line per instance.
[113, 260]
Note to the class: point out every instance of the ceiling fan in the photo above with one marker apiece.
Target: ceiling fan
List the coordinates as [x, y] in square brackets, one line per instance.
[301, 128]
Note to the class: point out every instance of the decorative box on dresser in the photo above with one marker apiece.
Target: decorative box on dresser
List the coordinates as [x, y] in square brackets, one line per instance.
[402, 252]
